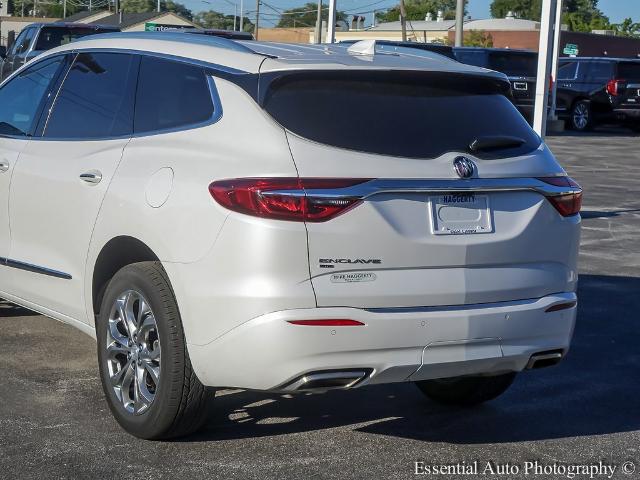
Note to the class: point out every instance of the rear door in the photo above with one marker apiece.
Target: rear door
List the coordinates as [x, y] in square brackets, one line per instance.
[62, 176]
[409, 243]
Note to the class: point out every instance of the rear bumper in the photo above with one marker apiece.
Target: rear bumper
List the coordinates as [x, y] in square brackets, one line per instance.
[627, 113]
[394, 345]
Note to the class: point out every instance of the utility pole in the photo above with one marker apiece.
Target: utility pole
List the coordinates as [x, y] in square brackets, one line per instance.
[255, 31]
[403, 20]
[242, 15]
[331, 28]
[235, 16]
[158, 6]
[545, 53]
[459, 23]
[319, 23]
[64, 8]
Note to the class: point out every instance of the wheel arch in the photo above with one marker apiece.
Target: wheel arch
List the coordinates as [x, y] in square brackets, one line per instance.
[115, 254]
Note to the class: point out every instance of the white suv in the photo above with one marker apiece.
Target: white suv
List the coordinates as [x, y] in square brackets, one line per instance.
[282, 217]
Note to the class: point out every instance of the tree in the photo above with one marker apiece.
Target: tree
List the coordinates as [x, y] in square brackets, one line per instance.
[528, 9]
[140, 6]
[579, 15]
[628, 28]
[418, 9]
[305, 16]
[478, 38]
[213, 19]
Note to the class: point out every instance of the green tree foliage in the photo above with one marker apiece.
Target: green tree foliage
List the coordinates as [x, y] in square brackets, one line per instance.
[529, 9]
[140, 6]
[305, 16]
[418, 9]
[628, 28]
[213, 19]
[579, 15]
[478, 38]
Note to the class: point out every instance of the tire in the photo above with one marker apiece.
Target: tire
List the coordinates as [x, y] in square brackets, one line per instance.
[466, 391]
[163, 399]
[581, 117]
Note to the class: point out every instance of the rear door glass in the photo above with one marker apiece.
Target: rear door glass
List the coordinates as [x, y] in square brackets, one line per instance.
[96, 98]
[400, 114]
[568, 71]
[475, 58]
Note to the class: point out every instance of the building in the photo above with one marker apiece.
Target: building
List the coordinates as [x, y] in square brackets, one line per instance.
[134, 22]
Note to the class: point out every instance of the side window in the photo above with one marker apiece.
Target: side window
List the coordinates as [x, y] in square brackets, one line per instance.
[96, 98]
[599, 72]
[17, 42]
[26, 41]
[568, 71]
[171, 95]
[21, 98]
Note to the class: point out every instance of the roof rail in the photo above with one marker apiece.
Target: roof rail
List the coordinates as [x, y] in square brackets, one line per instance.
[172, 37]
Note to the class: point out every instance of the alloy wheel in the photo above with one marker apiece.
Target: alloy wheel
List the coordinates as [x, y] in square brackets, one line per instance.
[581, 116]
[133, 352]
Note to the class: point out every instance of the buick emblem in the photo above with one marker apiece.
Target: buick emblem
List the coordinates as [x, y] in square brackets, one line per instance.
[464, 167]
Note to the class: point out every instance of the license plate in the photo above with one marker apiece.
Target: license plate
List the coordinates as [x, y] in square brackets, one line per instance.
[520, 86]
[460, 214]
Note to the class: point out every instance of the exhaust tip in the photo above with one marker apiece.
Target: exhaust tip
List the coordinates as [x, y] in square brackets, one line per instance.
[327, 380]
[544, 359]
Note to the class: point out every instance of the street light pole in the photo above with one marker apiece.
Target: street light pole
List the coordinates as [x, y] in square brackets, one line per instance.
[242, 15]
[319, 23]
[255, 31]
[557, 32]
[403, 20]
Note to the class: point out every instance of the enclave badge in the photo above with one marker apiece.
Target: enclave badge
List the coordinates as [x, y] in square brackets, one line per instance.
[464, 167]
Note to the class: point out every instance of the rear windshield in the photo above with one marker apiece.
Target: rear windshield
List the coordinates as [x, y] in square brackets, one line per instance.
[514, 64]
[629, 71]
[397, 113]
[51, 37]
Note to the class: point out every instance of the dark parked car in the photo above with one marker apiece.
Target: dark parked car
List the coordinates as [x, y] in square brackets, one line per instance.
[39, 37]
[519, 65]
[445, 50]
[595, 90]
[214, 32]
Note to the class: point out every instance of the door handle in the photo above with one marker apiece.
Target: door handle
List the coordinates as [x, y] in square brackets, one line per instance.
[4, 166]
[93, 177]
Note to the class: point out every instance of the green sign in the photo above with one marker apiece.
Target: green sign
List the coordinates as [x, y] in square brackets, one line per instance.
[571, 49]
[160, 27]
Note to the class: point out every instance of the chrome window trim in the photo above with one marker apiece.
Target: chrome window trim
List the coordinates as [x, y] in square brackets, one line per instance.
[384, 185]
[7, 262]
[215, 97]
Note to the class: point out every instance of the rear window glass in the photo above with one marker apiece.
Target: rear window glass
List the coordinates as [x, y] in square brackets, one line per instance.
[395, 113]
[51, 37]
[514, 64]
[629, 71]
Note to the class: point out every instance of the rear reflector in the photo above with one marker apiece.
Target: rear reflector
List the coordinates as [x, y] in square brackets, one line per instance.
[561, 306]
[285, 198]
[566, 204]
[327, 323]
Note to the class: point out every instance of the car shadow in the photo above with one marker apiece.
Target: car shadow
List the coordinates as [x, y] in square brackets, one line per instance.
[587, 214]
[595, 390]
[8, 309]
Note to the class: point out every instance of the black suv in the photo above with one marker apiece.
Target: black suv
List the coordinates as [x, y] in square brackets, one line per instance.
[519, 65]
[594, 90]
[39, 37]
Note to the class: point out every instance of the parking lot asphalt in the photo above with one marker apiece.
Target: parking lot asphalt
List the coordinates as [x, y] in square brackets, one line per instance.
[54, 422]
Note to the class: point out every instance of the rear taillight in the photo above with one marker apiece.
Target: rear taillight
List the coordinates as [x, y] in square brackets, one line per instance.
[294, 199]
[613, 87]
[566, 204]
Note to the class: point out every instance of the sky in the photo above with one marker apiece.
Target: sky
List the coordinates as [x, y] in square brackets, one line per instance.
[616, 10]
